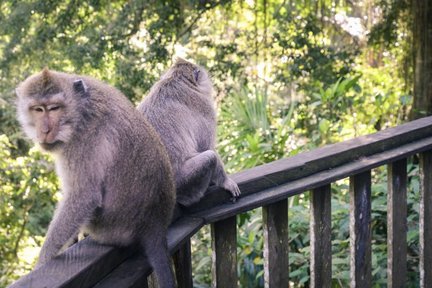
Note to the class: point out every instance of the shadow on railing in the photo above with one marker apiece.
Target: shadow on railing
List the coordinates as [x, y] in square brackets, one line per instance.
[87, 264]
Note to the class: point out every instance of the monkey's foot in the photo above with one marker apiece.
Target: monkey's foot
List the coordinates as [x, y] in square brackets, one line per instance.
[233, 188]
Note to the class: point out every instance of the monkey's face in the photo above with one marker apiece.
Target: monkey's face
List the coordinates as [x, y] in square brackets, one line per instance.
[45, 114]
[44, 120]
[47, 118]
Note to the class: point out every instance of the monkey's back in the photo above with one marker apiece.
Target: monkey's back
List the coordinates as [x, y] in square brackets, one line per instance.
[183, 116]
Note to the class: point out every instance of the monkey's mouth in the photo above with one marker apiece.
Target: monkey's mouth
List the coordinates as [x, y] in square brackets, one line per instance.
[51, 146]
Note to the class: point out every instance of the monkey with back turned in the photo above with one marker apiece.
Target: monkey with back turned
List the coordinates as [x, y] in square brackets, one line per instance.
[116, 177]
[181, 109]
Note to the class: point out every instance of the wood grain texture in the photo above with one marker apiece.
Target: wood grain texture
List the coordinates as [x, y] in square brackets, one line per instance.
[426, 219]
[397, 224]
[320, 233]
[224, 246]
[360, 230]
[276, 245]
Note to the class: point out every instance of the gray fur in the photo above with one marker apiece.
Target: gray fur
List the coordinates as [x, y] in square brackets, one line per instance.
[116, 177]
[181, 109]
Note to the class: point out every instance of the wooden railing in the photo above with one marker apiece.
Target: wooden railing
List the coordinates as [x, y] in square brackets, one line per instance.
[87, 264]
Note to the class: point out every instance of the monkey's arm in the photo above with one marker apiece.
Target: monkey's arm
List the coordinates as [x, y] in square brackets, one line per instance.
[72, 212]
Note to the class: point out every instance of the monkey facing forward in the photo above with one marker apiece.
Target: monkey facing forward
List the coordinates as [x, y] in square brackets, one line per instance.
[116, 177]
[181, 109]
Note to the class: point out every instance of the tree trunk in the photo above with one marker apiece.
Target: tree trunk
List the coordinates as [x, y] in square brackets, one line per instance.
[422, 12]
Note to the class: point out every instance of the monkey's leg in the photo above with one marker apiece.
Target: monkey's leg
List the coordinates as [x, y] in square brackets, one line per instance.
[156, 249]
[220, 178]
[194, 176]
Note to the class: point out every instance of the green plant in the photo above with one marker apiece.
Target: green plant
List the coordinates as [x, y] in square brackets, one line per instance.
[28, 193]
[253, 133]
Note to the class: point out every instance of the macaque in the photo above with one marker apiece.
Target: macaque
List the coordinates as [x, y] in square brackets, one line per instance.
[117, 181]
[181, 109]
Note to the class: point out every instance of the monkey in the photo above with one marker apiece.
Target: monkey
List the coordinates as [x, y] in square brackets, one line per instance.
[180, 107]
[116, 178]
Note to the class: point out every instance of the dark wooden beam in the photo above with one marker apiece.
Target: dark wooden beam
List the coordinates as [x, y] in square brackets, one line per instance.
[320, 233]
[276, 244]
[425, 219]
[183, 264]
[360, 230]
[224, 246]
[397, 224]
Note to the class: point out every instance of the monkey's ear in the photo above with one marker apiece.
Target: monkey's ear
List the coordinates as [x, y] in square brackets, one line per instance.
[196, 74]
[80, 87]
[46, 77]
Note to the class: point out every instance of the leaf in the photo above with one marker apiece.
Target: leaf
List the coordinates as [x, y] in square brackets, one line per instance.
[203, 262]
[324, 126]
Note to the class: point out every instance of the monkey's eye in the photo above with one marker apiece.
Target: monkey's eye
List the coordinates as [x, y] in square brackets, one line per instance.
[38, 109]
[54, 108]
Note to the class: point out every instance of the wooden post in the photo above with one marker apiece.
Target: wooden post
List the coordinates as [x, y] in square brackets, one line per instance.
[183, 266]
[320, 229]
[360, 230]
[426, 219]
[397, 224]
[276, 265]
[224, 245]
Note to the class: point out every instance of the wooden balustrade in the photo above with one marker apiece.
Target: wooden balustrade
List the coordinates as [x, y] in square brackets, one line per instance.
[88, 264]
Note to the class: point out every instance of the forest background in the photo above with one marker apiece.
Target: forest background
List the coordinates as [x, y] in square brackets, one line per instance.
[290, 76]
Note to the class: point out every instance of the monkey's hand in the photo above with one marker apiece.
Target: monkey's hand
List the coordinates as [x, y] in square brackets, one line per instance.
[50, 249]
[232, 187]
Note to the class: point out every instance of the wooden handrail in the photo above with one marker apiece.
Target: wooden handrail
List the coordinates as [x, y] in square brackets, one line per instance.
[269, 186]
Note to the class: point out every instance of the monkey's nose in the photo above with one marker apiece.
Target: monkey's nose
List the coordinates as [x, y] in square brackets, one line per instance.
[45, 129]
[44, 133]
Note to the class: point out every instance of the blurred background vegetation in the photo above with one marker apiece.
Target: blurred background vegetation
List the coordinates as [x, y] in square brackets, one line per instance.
[290, 76]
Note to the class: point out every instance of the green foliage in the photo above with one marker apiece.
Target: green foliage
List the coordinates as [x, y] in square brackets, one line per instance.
[396, 16]
[117, 41]
[201, 257]
[307, 58]
[253, 134]
[331, 104]
[250, 262]
[28, 184]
